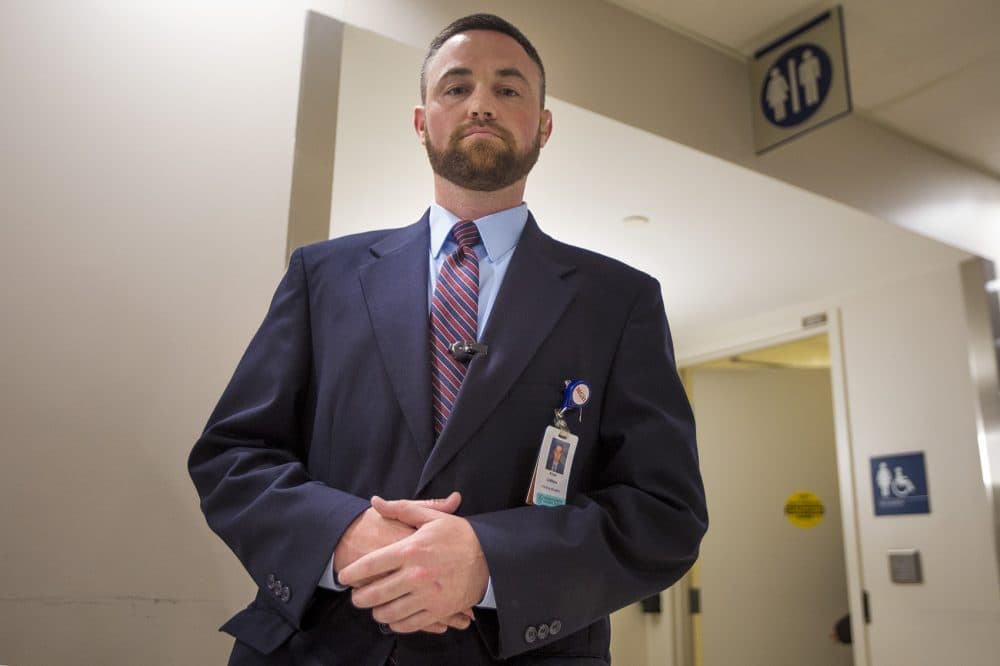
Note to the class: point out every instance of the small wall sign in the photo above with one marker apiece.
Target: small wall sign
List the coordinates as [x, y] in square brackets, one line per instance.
[899, 484]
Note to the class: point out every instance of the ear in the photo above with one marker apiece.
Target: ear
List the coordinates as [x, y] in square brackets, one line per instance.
[420, 123]
[545, 127]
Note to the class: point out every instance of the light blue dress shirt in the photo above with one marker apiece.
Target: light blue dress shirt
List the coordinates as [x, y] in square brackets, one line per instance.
[499, 233]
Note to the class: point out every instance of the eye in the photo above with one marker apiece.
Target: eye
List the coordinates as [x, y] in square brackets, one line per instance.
[509, 92]
[455, 90]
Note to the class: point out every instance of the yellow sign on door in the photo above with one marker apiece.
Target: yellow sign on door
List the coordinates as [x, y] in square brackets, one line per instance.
[804, 509]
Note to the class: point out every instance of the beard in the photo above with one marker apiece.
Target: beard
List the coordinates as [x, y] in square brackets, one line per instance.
[482, 164]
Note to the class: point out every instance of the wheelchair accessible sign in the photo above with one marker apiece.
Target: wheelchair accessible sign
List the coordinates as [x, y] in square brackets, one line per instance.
[900, 484]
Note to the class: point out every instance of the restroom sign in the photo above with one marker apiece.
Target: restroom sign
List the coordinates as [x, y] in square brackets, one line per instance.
[899, 484]
[799, 81]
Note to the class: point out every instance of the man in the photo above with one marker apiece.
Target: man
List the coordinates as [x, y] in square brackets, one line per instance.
[556, 462]
[424, 365]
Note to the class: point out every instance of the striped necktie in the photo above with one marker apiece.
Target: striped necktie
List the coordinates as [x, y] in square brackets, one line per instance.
[454, 318]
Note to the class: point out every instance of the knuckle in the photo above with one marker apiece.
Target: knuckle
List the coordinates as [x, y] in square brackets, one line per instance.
[402, 627]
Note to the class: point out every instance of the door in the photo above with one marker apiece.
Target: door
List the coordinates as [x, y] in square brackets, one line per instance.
[770, 590]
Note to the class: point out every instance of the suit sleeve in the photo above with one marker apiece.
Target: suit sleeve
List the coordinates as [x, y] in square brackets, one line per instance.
[248, 466]
[634, 532]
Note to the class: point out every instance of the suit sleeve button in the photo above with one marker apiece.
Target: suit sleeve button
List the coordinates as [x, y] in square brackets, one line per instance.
[555, 627]
[543, 631]
[530, 635]
[286, 594]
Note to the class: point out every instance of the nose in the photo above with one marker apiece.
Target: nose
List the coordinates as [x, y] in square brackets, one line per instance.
[481, 106]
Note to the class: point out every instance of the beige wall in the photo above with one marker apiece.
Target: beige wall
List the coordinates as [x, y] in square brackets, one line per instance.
[147, 151]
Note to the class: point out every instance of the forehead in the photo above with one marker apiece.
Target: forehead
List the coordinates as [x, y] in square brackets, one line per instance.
[482, 51]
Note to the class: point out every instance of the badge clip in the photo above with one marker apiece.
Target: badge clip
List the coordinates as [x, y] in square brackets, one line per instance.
[576, 394]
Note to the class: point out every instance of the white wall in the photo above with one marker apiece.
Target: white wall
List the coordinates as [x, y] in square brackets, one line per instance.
[602, 58]
[909, 389]
[144, 181]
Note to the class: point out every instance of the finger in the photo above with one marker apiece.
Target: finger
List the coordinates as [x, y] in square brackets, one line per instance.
[405, 511]
[373, 565]
[447, 504]
[459, 621]
[391, 509]
[365, 582]
[383, 591]
[397, 609]
[415, 622]
[436, 628]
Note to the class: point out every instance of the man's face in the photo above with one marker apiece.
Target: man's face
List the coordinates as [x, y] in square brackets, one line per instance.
[557, 453]
[482, 123]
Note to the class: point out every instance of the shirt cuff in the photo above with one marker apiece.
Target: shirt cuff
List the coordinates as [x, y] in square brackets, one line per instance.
[329, 579]
[488, 601]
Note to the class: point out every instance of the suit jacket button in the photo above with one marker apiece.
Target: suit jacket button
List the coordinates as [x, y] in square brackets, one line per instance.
[555, 627]
[543, 631]
[270, 581]
[286, 594]
[385, 629]
[530, 635]
[276, 588]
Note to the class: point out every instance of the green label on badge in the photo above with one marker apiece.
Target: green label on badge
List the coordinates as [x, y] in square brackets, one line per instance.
[541, 499]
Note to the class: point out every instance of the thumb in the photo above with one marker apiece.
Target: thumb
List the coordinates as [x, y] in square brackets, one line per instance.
[447, 504]
[413, 512]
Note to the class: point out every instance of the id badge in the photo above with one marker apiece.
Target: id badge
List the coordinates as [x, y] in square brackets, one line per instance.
[552, 468]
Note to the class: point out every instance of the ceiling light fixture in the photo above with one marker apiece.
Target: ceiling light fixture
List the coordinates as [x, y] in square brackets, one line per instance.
[635, 220]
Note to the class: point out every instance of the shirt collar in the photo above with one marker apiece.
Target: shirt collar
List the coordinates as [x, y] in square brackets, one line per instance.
[499, 231]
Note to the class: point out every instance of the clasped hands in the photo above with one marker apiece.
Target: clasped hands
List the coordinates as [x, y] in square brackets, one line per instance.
[414, 563]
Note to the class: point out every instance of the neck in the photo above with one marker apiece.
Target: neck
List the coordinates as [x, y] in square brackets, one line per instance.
[472, 204]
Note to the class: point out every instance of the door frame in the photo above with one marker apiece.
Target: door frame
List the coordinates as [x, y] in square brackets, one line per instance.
[740, 342]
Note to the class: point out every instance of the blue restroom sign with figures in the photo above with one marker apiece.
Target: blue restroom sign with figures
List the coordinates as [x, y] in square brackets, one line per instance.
[799, 80]
[796, 85]
[899, 484]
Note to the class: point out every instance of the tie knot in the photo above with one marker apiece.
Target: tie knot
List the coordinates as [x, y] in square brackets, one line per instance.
[466, 234]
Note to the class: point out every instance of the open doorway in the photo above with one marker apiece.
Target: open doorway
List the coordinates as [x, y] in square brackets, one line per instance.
[772, 574]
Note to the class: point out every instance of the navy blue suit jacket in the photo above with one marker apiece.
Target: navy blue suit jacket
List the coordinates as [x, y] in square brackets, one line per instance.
[331, 405]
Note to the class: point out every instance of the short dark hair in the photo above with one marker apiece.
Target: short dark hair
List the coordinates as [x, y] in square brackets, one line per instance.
[489, 22]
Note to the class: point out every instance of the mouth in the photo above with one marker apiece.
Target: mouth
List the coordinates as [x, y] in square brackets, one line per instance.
[479, 132]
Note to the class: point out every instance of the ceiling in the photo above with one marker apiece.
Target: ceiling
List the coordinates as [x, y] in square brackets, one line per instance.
[927, 69]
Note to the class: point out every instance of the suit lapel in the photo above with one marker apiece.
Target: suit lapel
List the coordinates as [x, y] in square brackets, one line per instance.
[532, 298]
[395, 289]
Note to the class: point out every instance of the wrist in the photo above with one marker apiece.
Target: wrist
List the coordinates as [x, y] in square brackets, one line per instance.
[344, 553]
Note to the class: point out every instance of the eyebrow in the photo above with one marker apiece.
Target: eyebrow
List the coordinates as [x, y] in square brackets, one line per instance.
[504, 72]
[512, 71]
